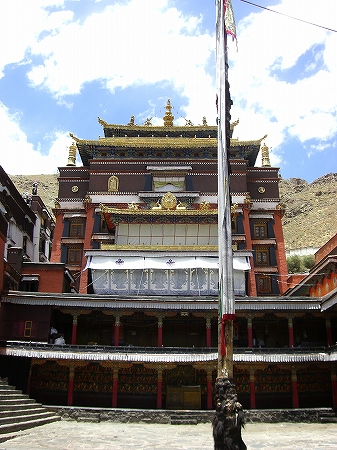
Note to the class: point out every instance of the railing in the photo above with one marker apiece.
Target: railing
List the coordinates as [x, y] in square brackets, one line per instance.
[30, 345]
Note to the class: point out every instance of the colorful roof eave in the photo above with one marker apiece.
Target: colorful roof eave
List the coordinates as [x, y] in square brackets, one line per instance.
[158, 212]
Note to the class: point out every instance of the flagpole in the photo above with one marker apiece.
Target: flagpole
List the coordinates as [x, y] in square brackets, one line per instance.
[228, 419]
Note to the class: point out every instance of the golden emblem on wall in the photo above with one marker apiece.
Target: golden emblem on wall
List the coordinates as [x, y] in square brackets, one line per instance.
[113, 184]
[261, 189]
[169, 201]
[74, 188]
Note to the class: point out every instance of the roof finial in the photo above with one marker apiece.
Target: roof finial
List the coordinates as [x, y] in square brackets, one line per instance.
[168, 118]
[265, 156]
[72, 155]
[132, 120]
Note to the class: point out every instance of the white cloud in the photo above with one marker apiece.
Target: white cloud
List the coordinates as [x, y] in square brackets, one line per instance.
[18, 155]
[21, 23]
[134, 43]
[142, 42]
[305, 108]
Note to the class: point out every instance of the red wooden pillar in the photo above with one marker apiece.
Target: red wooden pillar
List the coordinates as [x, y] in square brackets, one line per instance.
[294, 387]
[246, 227]
[334, 387]
[114, 387]
[90, 210]
[55, 256]
[160, 332]
[160, 389]
[328, 331]
[290, 331]
[117, 325]
[209, 389]
[250, 331]
[71, 385]
[252, 388]
[74, 330]
[208, 332]
[280, 250]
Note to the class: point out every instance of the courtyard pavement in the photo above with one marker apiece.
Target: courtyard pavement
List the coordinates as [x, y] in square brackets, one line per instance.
[71, 435]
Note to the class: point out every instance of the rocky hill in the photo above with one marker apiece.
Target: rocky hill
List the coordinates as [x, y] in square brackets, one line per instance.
[309, 220]
[311, 213]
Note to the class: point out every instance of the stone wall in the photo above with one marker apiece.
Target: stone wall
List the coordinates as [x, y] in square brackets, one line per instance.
[80, 414]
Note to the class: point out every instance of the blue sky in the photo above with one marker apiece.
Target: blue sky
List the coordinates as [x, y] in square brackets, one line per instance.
[66, 62]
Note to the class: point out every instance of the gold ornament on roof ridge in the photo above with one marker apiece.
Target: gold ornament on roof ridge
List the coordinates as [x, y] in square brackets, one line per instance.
[168, 117]
[265, 156]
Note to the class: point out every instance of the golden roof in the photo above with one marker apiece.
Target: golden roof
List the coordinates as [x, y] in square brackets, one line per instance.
[161, 142]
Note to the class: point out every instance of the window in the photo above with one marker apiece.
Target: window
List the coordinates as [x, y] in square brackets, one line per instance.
[76, 229]
[74, 256]
[260, 230]
[264, 284]
[29, 285]
[262, 257]
[27, 332]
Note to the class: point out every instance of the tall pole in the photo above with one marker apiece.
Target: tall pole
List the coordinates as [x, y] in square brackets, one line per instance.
[228, 419]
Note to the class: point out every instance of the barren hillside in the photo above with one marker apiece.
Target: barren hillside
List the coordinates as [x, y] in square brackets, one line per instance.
[309, 221]
[311, 213]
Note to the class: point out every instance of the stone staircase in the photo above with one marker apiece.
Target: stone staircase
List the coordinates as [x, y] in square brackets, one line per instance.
[19, 412]
[327, 416]
[184, 418]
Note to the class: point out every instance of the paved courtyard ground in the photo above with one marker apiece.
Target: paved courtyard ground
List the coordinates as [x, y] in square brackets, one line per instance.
[68, 435]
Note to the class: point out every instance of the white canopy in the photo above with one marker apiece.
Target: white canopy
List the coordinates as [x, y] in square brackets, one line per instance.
[173, 262]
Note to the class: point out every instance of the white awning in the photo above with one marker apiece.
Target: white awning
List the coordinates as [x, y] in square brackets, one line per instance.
[174, 262]
[30, 278]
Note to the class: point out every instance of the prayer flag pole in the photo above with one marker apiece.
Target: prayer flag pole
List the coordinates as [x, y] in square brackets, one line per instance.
[228, 419]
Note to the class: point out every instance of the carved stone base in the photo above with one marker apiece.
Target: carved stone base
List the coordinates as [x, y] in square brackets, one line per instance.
[229, 418]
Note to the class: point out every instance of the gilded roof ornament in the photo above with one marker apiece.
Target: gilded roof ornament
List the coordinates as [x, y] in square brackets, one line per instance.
[233, 124]
[132, 120]
[205, 206]
[265, 156]
[168, 118]
[76, 139]
[189, 123]
[148, 122]
[133, 206]
[169, 201]
[102, 122]
[204, 121]
[72, 155]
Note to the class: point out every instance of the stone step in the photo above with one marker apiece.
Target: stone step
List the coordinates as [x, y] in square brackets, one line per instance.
[328, 416]
[26, 417]
[7, 436]
[7, 387]
[184, 418]
[328, 419]
[12, 394]
[184, 421]
[15, 427]
[21, 410]
[4, 403]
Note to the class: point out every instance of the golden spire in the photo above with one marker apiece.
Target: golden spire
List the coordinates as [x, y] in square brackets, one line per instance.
[72, 155]
[168, 118]
[265, 156]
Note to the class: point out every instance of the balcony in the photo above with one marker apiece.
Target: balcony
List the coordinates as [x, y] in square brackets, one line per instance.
[42, 350]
